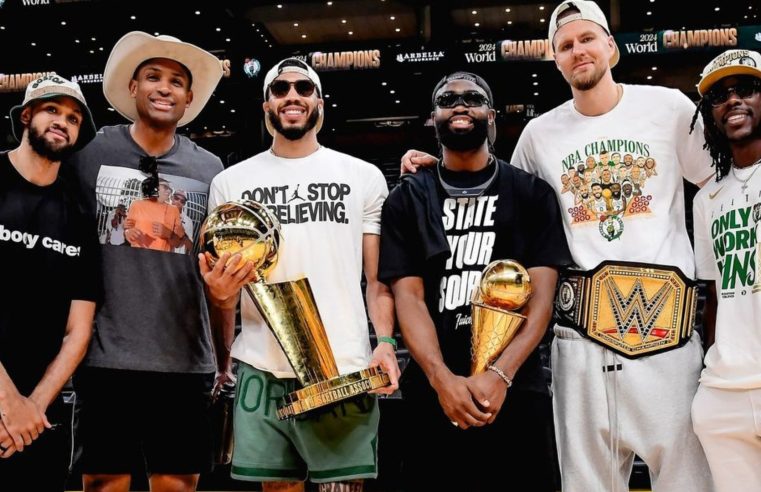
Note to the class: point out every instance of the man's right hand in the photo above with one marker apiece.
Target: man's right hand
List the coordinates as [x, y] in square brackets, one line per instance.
[458, 403]
[24, 421]
[413, 159]
[222, 379]
[225, 280]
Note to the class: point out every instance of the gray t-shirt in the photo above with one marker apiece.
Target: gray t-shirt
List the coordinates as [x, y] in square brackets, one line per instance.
[154, 315]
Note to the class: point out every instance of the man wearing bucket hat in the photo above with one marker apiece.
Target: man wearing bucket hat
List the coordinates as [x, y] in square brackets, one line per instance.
[50, 249]
[328, 205]
[727, 215]
[432, 269]
[144, 387]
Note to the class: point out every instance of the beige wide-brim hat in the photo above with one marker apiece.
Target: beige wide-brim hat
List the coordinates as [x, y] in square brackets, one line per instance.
[136, 47]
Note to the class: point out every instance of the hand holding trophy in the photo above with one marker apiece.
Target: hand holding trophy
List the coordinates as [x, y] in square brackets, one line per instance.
[505, 287]
[289, 308]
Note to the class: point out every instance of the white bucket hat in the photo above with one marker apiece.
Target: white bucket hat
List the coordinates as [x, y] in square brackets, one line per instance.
[48, 87]
[731, 62]
[587, 10]
[136, 47]
[296, 66]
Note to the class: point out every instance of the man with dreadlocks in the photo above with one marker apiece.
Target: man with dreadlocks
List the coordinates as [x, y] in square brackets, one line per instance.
[727, 407]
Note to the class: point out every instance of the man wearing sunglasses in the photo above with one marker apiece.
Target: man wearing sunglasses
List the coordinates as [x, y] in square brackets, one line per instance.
[441, 228]
[727, 214]
[328, 205]
[604, 358]
[145, 386]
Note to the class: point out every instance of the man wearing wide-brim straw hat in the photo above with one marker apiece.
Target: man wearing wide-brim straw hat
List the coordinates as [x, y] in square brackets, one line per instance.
[145, 385]
[727, 218]
[51, 283]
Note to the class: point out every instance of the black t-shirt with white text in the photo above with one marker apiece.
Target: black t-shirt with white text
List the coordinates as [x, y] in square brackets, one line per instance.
[48, 249]
[517, 217]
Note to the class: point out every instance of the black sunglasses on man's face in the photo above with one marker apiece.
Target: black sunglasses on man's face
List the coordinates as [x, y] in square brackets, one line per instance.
[744, 89]
[281, 88]
[469, 99]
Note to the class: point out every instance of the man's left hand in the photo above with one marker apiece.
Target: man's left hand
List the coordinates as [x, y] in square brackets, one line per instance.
[490, 392]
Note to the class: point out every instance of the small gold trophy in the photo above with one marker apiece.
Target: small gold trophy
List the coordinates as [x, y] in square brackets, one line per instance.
[505, 287]
[288, 308]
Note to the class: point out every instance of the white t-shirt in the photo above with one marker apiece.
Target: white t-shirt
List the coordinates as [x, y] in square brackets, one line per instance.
[728, 251]
[325, 202]
[648, 122]
[187, 226]
[115, 234]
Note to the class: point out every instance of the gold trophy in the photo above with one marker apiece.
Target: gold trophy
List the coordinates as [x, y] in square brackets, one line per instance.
[288, 308]
[505, 287]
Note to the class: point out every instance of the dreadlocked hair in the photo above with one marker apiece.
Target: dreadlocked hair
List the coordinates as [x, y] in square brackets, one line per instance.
[716, 143]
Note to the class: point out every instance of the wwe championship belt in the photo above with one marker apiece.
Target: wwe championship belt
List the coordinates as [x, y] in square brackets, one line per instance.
[635, 309]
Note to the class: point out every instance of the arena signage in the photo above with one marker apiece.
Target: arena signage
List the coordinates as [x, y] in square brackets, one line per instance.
[345, 60]
[530, 49]
[17, 82]
[420, 56]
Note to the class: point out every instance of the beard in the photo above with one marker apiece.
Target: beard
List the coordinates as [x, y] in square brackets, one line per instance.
[46, 149]
[294, 133]
[462, 140]
[586, 82]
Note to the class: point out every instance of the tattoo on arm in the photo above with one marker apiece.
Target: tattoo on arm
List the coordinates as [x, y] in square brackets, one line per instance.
[353, 486]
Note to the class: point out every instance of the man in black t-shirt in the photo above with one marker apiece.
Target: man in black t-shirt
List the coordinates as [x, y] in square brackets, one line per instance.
[440, 228]
[50, 283]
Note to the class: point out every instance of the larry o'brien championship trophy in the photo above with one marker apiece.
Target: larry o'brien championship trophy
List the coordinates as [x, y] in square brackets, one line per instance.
[505, 287]
[288, 308]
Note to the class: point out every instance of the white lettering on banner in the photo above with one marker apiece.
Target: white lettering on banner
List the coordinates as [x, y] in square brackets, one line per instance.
[481, 57]
[30, 241]
[35, 2]
[651, 47]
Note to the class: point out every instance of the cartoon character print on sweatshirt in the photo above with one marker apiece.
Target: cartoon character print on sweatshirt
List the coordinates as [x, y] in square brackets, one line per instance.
[604, 184]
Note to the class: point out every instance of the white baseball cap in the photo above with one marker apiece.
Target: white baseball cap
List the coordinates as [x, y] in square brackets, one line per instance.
[731, 62]
[47, 87]
[586, 10]
[296, 66]
[137, 47]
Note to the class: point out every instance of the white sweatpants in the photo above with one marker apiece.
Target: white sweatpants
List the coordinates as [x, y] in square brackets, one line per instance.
[728, 423]
[609, 408]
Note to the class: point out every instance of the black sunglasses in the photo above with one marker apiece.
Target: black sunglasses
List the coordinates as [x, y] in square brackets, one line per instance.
[150, 185]
[744, 90]
[281, 88]
[470, 99]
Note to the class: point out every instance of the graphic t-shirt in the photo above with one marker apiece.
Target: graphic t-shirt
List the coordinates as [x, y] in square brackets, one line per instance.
[619, 175]
[324, 202]
[517, 217]
[154, 316]
[50, 259]
[728, 251]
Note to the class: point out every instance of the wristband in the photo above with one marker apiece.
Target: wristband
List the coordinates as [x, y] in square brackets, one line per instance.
[390, 340]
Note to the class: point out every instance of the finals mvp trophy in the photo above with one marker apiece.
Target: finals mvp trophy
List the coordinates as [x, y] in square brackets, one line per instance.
[505, 287]
[288, 308]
